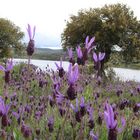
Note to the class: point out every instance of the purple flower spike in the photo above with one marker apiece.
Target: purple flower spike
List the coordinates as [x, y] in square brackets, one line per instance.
[59, 66]
[123, 122]
[76, 110]
[73, 74]
[101, 56]
[95, 58]
[98, 57]
[51, 124]
[82, 103]
[31, 44]
[60, 69]
[89, 43]
[80, 56]
[111, 123]
[9, 66]
[79, 52]
[59, 98]
[88, 48]
[4, 109]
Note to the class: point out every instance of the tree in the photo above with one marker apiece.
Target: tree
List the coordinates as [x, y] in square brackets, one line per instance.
[10, 38]
[111, 25]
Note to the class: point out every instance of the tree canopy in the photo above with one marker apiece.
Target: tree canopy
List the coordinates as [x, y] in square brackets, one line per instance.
[111, 25]
[10, 38]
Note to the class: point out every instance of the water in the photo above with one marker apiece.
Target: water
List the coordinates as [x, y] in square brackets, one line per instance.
[124, 74]
[43, 63]
[127, 74]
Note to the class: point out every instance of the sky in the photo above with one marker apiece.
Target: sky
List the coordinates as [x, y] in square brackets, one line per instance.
[50, 16]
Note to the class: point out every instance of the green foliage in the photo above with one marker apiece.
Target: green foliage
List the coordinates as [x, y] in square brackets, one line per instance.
[111, 25]
[10, 38]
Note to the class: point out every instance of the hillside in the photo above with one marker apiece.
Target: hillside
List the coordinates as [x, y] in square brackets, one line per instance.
[44, 54]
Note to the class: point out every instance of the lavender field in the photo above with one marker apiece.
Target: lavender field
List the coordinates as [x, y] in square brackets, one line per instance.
[70, 104]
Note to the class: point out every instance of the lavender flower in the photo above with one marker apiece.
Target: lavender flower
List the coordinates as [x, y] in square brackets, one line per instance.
[72, 78]
[88, 47]
[4, 109]
[60, 69]
[59, 98]
[76, 110]
[97, 62]
[112, 123]
[73, 74]
[88, 42]
[9, 67]
[98, 57]
[51, 123]
[26, 130]
[30, 47]
[80, 60]
[70, 53]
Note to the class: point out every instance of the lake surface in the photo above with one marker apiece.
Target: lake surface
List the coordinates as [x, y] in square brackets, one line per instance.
[124, 74]
[44, 63]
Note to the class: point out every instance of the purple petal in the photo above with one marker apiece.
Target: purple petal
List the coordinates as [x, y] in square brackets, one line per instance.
[76, 73]
[123, 122]
[101, 56]
[79, 52]
[82, 103]
[29, 31]
[61, 62]
[77, 104]
[138, 104]
[91, 41]
[51, 120]
[34, 32]
[2, 106]
[95, 57]
[91, 113]
[57, 66]
[86, 42]
[106, 117]
[70, 73]
[9, 65]
[111, 114]
[7, 107]
[72, 106]
[16, 115]
[2, 68]
[73, 73]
